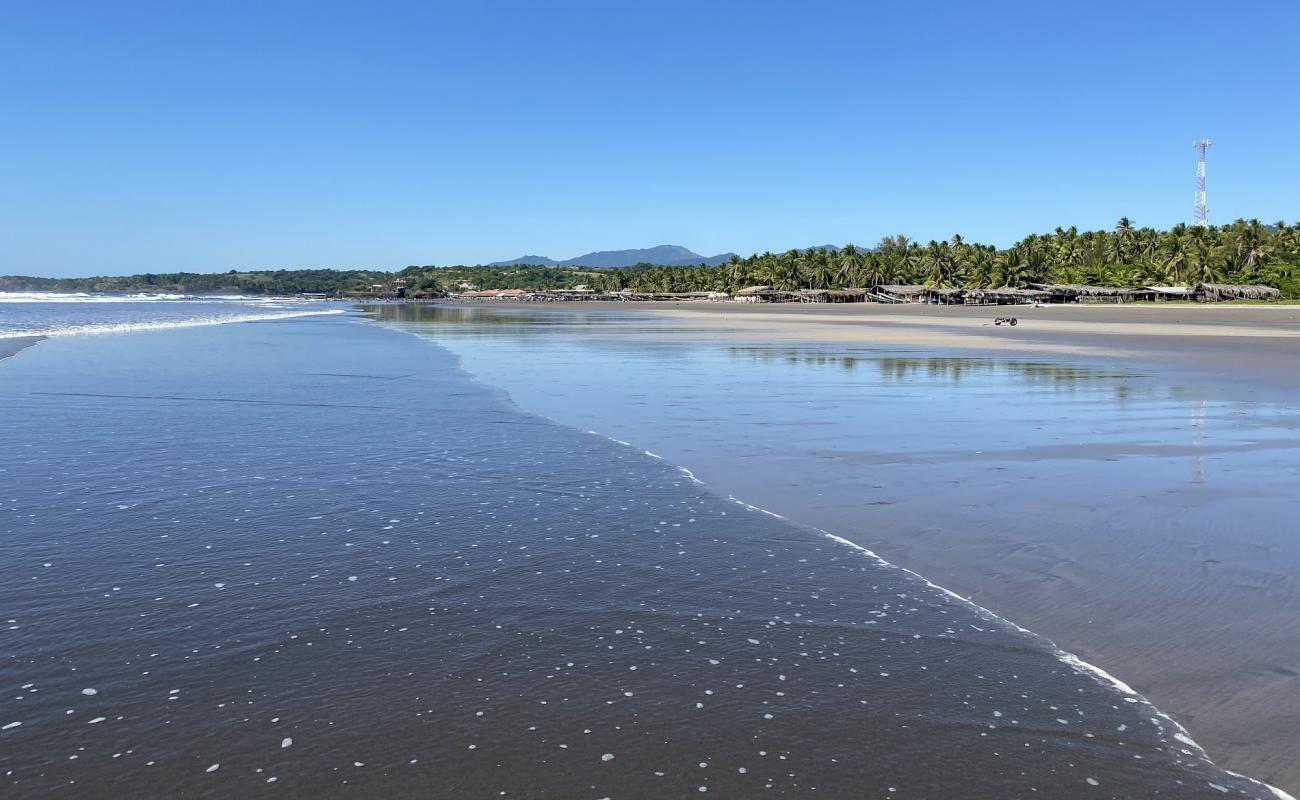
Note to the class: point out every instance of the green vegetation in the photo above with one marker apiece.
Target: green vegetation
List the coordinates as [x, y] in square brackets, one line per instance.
[1246, 251]
[279, 282]
[1243, 252]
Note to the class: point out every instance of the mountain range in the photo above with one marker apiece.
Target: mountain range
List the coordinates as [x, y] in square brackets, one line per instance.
[668, 255]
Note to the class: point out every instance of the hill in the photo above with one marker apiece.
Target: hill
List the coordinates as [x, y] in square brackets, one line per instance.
[665, 255]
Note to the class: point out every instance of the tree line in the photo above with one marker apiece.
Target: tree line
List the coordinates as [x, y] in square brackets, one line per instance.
[264, 282]
[1245, 251]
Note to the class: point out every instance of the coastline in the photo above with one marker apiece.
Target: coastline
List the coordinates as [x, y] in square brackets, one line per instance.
[1257, 343]
[12, 346]
[1226, 670]
[927, 680]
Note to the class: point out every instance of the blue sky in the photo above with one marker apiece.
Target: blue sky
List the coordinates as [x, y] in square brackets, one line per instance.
[164, 136]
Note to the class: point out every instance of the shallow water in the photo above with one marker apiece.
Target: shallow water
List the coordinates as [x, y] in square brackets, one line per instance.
[312, 557]
[1141, 516]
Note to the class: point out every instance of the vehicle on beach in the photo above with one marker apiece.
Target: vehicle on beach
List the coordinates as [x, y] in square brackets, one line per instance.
[1012, 321]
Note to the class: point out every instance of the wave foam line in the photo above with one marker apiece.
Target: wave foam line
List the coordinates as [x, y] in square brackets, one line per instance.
[1072, 661]
[139, 297]
[1069, 659]
[127, 327]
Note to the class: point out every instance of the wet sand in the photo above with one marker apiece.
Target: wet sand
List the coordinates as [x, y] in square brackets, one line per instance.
[1258, 341]
[312, 558]
[9, 347]
[1188, 590]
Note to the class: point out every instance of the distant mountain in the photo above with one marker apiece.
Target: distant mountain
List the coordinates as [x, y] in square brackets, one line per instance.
[532, 261]
[668, 255]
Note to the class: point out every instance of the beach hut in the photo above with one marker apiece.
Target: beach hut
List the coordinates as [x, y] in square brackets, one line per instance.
[765, 294]
[1082, 293]
[898, 293]
[946, 296]
[1163, 293]
[1005, 295]
[1216, 292]
[846, 296]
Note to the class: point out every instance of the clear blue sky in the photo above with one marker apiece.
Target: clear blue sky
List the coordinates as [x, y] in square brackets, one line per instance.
[162, 136]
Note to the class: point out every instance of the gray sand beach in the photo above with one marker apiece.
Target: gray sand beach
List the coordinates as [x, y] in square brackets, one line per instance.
[1149, 529]
[11, 346]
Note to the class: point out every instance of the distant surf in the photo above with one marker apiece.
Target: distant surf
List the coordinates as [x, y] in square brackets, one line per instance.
[137, 297]
[125, 327]
[24, 314]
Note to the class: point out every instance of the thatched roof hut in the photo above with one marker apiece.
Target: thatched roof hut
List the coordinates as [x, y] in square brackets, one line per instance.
[765, 294]
[949, 295]
[898, 293]
[1083, 293]
[900, 290]
[846, 295]
[1005, 295]
[1166, 292]
[1214, 292]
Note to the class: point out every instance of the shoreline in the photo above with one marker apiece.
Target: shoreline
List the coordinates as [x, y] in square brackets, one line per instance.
[12, 346]
[1231, 690]
[1256, 343]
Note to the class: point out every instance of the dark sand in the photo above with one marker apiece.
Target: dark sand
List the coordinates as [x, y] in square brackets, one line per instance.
[312, 558]
[9, 347]
[1203, 618]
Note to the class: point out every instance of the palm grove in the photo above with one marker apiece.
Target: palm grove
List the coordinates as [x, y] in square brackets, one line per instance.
[1128, 256]
[1245, 251]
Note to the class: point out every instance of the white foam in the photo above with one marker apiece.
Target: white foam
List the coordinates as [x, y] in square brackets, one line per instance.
[1069, 659]
[127, 327]
[138, 297]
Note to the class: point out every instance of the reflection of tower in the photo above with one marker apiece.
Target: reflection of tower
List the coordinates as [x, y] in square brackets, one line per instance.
[1200, 211]
[1198, 441]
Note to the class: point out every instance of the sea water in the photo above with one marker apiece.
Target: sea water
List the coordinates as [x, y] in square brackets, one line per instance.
[79, 313]
[312, 557]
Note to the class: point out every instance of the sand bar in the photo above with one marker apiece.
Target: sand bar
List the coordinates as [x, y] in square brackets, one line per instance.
[13, 345]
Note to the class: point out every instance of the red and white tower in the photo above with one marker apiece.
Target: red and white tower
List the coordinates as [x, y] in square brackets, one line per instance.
[1200, 211]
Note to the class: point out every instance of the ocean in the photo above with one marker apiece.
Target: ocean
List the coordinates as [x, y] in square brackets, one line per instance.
[313, 556]
[67, 314]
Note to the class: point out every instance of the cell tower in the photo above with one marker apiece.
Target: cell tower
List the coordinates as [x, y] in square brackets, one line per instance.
[1200, 211]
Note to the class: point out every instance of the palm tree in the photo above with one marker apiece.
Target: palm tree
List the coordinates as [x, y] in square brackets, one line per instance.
[785, 274]
[1123, 240]
[736, 271]
[981, 269]
[850, 264]
[875, 271]
[1175, 260]
[1014, 269]
[940, 265]
[821, 274]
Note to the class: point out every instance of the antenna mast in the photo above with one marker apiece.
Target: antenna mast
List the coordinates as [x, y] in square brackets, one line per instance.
[1200, 211]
